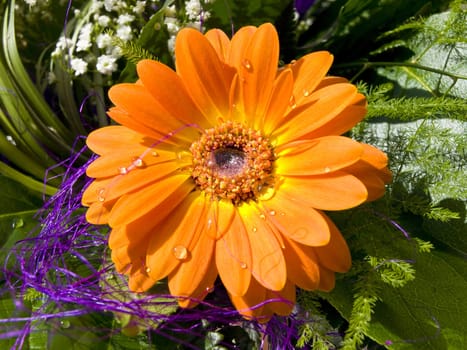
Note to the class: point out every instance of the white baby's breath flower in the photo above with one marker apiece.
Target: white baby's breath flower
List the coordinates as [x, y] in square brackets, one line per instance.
[31, 2]
[139, 7]
[106, 64]
[193, 9]
[103, 20]
[104, 40]
[173, 25]
[124, 33]
[79, 66]
[125, 19]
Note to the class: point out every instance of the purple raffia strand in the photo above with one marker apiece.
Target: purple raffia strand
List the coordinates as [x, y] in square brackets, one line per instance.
[43, 264]
[393, 223]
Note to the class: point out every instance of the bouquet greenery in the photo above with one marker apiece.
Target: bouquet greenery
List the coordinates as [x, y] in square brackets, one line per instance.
[197, 175]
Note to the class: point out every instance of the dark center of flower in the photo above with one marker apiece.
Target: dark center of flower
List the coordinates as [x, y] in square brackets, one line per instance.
[228, 161]
[232, 161]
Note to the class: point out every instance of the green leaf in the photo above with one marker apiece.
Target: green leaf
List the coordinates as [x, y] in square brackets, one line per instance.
[437, 50]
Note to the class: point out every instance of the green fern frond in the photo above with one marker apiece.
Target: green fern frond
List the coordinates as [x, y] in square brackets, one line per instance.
[410, 109]
[395, 272]
[131, 50]
[423, 246]
[365, 299]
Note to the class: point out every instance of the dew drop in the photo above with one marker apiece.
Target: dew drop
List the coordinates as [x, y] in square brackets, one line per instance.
[255, 229]
[18, 222]
[243, 265]
[247, 64]
[262, 216]
[148, 270]
[123, 170]
[180, 252]
[210, 289]
[292, 102]
[282, 213]
[154, 154]
[65, 324]
[272, 212]
[327, 169]
[100, 194]
[138, 162]
[293, 62]
[306, 93]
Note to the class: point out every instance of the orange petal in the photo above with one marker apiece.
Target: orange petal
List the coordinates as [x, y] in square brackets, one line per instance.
[111, 139]
[249, 304]
[99, 213]
[321, 107]
[296, 219]
[327, 279]
[220, 42]
[172, 242]
[374, 156]
[124, 118]
[139, 281]
[95, 192]
[206, 78]
[334, 256]
[308, 72]
[135, 205]
[240, 42]
[219, 218]
[204, 287]
[233, 257]
[318, 156]
[268, 264]
[341, 123]
[126, 160]
[302, 264]
[334, 191]
[190, 276]
[170, 92]
[278, 102]
[136, 100]
[257, 74]
[286, 302]
[134, 179]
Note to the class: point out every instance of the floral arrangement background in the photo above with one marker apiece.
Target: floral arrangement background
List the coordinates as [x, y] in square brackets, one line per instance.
[406, 287]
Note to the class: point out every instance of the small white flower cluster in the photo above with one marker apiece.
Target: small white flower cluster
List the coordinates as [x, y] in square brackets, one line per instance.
[194, 16]
[90, 47]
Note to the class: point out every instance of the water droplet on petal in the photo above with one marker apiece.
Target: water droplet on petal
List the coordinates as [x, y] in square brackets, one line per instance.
[293, 62]
[209, 289]
[138, 162]
[262, 216]
[154, 154]
[327, 169]
[123, 170]
[100, 194]
[148, 270]
[254, 229]
[282, 213]
[247, 64]
[243, 265]
[292, 102]
[180, 252]
[272, 212]
[306, 93]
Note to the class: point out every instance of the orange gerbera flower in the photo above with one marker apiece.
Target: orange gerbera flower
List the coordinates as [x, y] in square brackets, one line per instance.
[223, 167]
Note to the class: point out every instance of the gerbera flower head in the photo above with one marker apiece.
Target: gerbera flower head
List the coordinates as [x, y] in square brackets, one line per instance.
[224, 166]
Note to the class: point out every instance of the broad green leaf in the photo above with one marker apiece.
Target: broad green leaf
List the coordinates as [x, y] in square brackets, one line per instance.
[439, 47]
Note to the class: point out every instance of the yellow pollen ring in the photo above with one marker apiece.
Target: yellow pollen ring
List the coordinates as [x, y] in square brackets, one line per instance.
[232, 161]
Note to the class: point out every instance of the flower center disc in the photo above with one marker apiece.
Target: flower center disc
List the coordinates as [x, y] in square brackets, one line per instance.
[232, 161]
